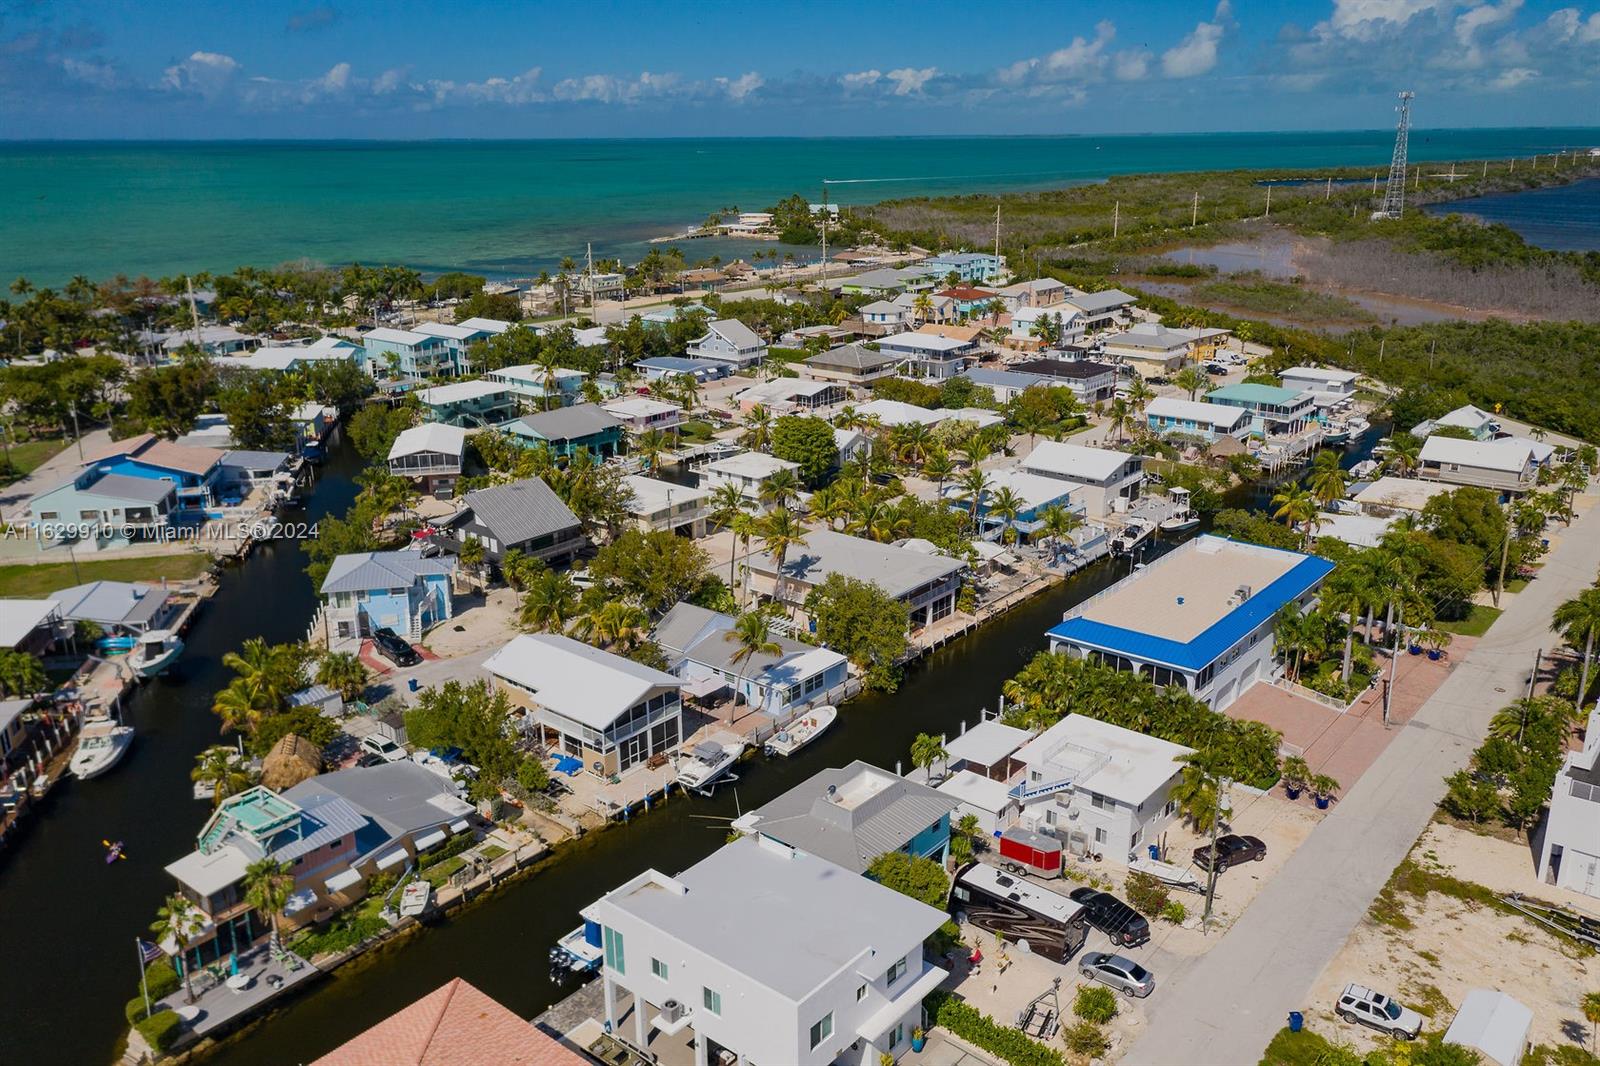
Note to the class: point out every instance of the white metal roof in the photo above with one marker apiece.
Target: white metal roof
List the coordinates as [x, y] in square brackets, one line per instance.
[397, 336]
[1510, 456]
[1494, 1024]
[1403, 492]
[981, 792]
[638, 407]
[1035, 490]
[1135, 765]
[429, 437]
[1215, 414]
[488, 325]
[1320, 373]
[460, 392]
[651, 495]
[18, 618]
[447, 329]
[987, 743]
[1076, 461]
[211, 873]
[575, 680]
[751, 464]
[923, 342]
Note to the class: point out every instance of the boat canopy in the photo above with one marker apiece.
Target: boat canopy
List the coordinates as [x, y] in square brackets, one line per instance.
[708, 750]
[428, 840]
[392, 859]
[343, 880]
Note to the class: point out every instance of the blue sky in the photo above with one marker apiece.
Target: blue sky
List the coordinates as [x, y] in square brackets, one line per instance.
[308, 68]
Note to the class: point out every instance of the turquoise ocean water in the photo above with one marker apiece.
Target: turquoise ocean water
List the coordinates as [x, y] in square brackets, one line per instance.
[515, 207]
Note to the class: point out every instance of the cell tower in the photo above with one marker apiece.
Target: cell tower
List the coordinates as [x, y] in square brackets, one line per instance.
[1394, 196]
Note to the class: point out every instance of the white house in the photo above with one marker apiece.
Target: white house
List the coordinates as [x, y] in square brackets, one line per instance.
[1097, 785]
[987, 800]
[1399, 494]
[1106, 476]
[927, 584]
[430, 454]
[1039, 292]
[1171, 416]
[899, 413]
[1202, 616]
[730, 341]
[768, 954]
[612, 713]
[1570, 854]
[748, 471]
[700, 648]
[1332, 388]
[1024, 320]
[642, 414]
[1475, 420]
[1507, 465]
[1102, 309]
[664, 506]
[928, 355]
[886, 314]
[529, 381]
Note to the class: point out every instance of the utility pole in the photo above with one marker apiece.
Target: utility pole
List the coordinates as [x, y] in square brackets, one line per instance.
[1394, 197]
[1116, 218]
[1269, 201]
[1194, 210]
[824, 233]
[1211, 873]
[997, 231]
[194, 314]
[1505, 556]
[76, 432]
[588, 256]
[1327, 194]
[1394, 659]
[1538, 657]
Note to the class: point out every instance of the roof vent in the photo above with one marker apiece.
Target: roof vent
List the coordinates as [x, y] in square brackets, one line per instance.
[1242, 593]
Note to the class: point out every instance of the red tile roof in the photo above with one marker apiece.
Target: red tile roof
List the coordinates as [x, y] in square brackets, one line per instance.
[454, 1025]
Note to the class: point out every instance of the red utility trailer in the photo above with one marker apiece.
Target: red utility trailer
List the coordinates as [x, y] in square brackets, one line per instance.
[1024, 851]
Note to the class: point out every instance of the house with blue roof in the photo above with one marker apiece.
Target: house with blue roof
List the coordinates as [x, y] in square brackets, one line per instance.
[673, 366]
[108, 510]
[398, 590]
[195, 473]
[1202, 616]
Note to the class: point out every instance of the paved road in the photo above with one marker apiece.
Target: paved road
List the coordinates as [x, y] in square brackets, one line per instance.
[1225, 1007]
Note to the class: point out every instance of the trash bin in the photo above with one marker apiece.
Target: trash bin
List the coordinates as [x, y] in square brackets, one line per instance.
[1155, 852]
[411, 683]
[1297, 1021]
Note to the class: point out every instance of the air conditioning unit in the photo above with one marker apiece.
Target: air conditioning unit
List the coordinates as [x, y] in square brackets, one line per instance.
[671, 1011]
[1242, 593]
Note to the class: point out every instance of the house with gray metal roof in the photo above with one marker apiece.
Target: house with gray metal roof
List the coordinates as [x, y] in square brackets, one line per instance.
[566, 429]
[398, 590]
[765, 953]
[700, 648]
[853, 814]
[120, 606]
[728, 340]
[852, 364]
[524, 515]
[926, 583]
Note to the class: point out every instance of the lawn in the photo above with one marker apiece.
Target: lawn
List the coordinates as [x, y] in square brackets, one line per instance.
[27, 456]
[22, 581]
[1306, 1048]
[696, 431]
[1475, 624]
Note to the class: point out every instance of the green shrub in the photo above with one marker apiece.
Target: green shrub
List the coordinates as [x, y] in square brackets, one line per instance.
[339, 936]
[162, 979]
[1095, 1003]
[1174, 912]
[449, 850]
[134, 1011]
[1146, 894]
[1085, 1039]
[160, 1029]
[977, 1028]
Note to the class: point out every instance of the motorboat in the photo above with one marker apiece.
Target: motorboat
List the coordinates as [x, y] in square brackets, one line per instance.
[802, 731]
[1364, 469]
[1336, 434]
[414, 898]
[1184, 517]
[1133, 533]
[155, 651]
[708, 761]
[1167, 873]
[101, 744]
[578, 952]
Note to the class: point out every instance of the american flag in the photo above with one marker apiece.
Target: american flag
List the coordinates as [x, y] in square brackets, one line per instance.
[147, 951]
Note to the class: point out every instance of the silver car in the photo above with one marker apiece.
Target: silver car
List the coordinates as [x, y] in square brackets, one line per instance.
[1123, 974]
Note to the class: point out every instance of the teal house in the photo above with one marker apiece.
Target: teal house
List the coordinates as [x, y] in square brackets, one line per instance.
[1274, 411]
[471, 404]
[566, 429]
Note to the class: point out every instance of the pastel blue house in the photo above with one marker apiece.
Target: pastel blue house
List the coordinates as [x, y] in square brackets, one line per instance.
[566, 429]
[458, 341]
[407, 354]
[107, 510]
[1274, 411]
[398, 590]
[968, 266]
[1171, 416]
[695, 641]
[1037, 495]
[472, 404]
[530, 383]
[850, 816]
[195, 472]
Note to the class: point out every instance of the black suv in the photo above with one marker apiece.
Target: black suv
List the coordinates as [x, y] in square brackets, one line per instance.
[397, 650]
[1111, 916]
[1231, 851]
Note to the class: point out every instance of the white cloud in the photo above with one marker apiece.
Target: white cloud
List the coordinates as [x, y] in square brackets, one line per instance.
[742, 86]
[205, 73]
[1196, 54]
[93, 73]
[337, 80]
[1510, 79]
[910, 80]
[1131, 65]
[608, 89]
[861, 79]
[1362, 20]
[1568, 24]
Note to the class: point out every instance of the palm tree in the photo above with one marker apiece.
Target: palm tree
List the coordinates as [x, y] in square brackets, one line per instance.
[1405, 452]
[342, 672]
[781, 487]
[1516, 718]
[178, 921]
[1590, 1005]
[1058, 523]
[1120, 418]
[780, 532]
[912, 442]
[922, 307]
[745, 528]
[938, 468]
[758, 429]
[1579, 620]
[1295, 506]
[269, 673]
[549, 602]
[1327, 480]
[1006, 505]
[240, 710]
[650, 446]
[548, 364]
[1140, 393]
[1197, 793]
[926, 750]
[752, 633]
[974, 487]
[267, 884]
[221, 768]
[727, 501]
[613, 622]
[1191, 380]
[829, 504]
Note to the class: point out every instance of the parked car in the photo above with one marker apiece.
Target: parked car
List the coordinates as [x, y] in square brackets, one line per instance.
[370, 759]
[395, 648]
[1231, 851]
[1111, 916]
[1123, 974]
[1362, 1005]
[383, 748]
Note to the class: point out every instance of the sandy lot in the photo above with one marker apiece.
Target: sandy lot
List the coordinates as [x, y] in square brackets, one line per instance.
[480, 622]
[1456, 945]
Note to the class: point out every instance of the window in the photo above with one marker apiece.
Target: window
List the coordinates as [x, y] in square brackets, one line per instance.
[861, 993]
[1098, 802]
[613, 949]
[897, 971]
[897, 1036]
[1134, 841]
[822, 1030]
[1099, 836]
[658, 968]
[713, 1002]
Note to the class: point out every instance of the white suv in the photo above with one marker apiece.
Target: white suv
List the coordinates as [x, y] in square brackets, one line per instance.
[1361, 1004]
[383, 748]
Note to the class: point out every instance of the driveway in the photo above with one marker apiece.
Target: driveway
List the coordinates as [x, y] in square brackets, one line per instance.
[1226, 1007]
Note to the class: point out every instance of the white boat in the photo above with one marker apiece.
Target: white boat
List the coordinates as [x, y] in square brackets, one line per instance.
[1184, 517]
[707, 762]
[802, 731]
[1364, 469]
[155, 651]
[1135, 532]
[101, 744]
[414, 898]
[1167, 874]
[577, 952]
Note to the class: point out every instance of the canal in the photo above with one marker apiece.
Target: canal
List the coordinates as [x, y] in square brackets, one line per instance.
[70, 919]
[73, 955]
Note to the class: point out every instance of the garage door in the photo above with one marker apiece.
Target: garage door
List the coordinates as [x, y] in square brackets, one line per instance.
[1580, 872]
[1225, 695]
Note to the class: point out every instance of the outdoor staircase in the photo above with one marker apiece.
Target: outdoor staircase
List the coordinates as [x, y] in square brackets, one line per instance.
[1061, 774]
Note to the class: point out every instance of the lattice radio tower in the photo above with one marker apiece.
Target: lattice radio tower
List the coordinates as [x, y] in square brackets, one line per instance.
[1394, 196]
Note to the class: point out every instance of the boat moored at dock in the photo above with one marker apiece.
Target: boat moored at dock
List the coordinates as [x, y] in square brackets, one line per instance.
[802, 731]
